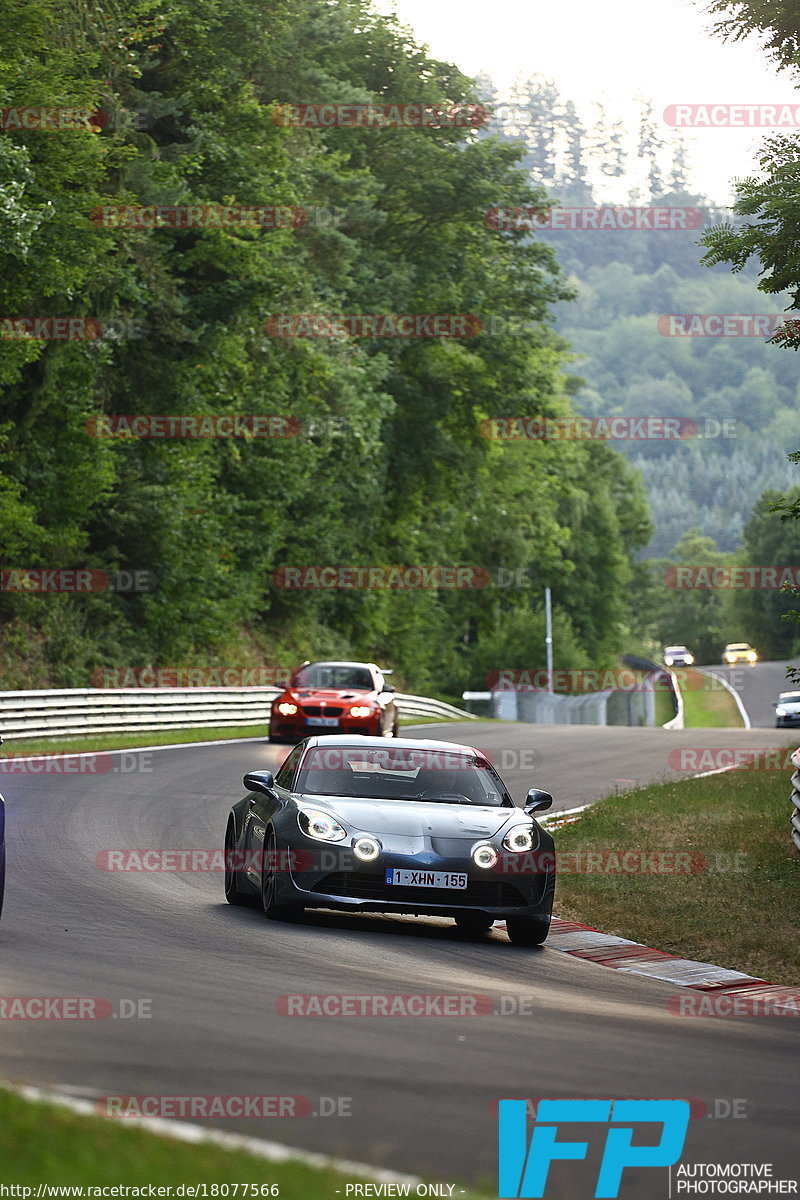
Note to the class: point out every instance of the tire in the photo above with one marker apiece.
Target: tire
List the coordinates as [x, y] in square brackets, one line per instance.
[275, 907]
[524, 931]
[232, 893]
[474, 924]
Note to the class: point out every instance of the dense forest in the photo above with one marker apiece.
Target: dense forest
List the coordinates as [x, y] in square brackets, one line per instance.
[625, 280]
[386, 464]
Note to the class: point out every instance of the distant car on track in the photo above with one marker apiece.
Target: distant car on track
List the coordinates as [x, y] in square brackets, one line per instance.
[787, 710]
[336, 697]
[739, 652]
[409, 826]
[677, 656]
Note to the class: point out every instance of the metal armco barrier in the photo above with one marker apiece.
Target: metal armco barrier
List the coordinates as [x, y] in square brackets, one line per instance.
[77, 711]
[796, 799]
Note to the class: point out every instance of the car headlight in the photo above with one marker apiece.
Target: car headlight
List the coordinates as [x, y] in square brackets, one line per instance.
[360, 710]
[751, 656]
[730, 658]
[668, 661]
[780, 711]
[286, 709]
[320, 825]
[689, 659]
[519, 839]
[485, 856]
[366, 847]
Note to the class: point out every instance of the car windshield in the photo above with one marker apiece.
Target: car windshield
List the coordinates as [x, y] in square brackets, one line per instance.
[336, 676]
[789, 698]
[400, 773]
[739, 646]
[675, 650]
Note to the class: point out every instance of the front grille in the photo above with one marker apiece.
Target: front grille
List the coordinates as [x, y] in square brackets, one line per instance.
[365, 886]
[316, 710]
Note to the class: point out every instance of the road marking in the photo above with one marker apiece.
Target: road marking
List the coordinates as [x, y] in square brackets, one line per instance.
[737, 698]
[185, 1131]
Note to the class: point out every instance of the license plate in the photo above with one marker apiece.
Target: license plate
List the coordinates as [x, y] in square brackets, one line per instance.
[328, 722]
[428, 879]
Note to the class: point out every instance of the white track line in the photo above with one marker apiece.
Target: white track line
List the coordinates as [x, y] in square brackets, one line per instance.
[733, 692]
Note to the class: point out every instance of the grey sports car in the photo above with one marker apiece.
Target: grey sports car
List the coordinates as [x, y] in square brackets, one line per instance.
[366, 825]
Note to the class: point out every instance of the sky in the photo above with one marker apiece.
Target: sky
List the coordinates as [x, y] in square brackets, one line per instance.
[614, 51]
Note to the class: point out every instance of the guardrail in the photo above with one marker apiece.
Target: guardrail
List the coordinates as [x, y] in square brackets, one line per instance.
[796, 799]
[78, 711]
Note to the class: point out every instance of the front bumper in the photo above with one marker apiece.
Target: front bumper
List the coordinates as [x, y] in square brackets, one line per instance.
[330, 876]
[294, 729]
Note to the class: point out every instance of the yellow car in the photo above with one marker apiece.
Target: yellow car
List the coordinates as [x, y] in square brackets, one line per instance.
[739, 652]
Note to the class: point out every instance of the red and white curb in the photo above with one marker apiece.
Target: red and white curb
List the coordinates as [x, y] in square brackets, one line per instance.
[635, 959]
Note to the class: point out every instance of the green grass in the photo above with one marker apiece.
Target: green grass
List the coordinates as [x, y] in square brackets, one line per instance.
[739, 912]
[128, 741]
[167, 737]
[707, 704]
[44, 1143]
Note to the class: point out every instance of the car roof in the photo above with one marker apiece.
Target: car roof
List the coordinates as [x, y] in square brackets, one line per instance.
[668, 648]
[335, 662]
[785, 695]
[344, 739]
[738, 646]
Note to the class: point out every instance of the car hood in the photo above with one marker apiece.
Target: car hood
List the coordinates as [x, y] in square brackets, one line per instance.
[412, 818]
[327, 695]
[789, 706]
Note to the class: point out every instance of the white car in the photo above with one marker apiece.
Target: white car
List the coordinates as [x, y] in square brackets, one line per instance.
[677, 656]
[787, 710]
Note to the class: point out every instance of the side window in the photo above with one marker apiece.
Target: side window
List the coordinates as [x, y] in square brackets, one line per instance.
[287, 771]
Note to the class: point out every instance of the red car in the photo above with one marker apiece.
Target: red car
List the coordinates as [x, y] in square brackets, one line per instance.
[334, 697]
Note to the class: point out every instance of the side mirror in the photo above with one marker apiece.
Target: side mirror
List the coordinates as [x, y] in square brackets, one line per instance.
[260, 781]
[536, 801]
[388, 687]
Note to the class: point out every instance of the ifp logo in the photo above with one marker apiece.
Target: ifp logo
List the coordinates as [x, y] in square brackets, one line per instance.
[523, 1169]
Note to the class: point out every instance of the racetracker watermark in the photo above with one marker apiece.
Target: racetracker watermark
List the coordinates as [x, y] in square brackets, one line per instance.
[722, 578]
[732, 116]
[189, 677]
[436, 1004]
[607, 862]
[715, 325]
[72, 1008]
[70, 329]
[718, 758]
[395, 578]
[380, 116]
[602, 429]
[119, 763]
[579, 681]
[600, 219]
[50, 120]
[202, 216]
[768, 1001]
[207, 1107]
[718, 1108]
[205, 425]
[373, 325]
[73, 580]
[155, 860]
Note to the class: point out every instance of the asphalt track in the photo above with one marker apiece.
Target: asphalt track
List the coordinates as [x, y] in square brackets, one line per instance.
[420, 1089]
[758, 686]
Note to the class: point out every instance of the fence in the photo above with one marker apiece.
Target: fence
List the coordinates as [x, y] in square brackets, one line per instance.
[77, 711]
[796, 799]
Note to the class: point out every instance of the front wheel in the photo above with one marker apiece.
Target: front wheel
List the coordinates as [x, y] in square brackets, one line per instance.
[474, 924]
[527, 931]
[275, 906]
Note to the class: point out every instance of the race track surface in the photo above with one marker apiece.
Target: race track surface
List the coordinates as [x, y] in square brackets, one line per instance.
[420, 1089]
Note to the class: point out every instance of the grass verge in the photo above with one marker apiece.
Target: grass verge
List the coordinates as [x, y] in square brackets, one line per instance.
[167, 737]
[706, 703]
[739, 911]
[44, 1143]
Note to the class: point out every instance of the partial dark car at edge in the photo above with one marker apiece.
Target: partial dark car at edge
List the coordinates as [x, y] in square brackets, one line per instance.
[408, 826]
[335, 697]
